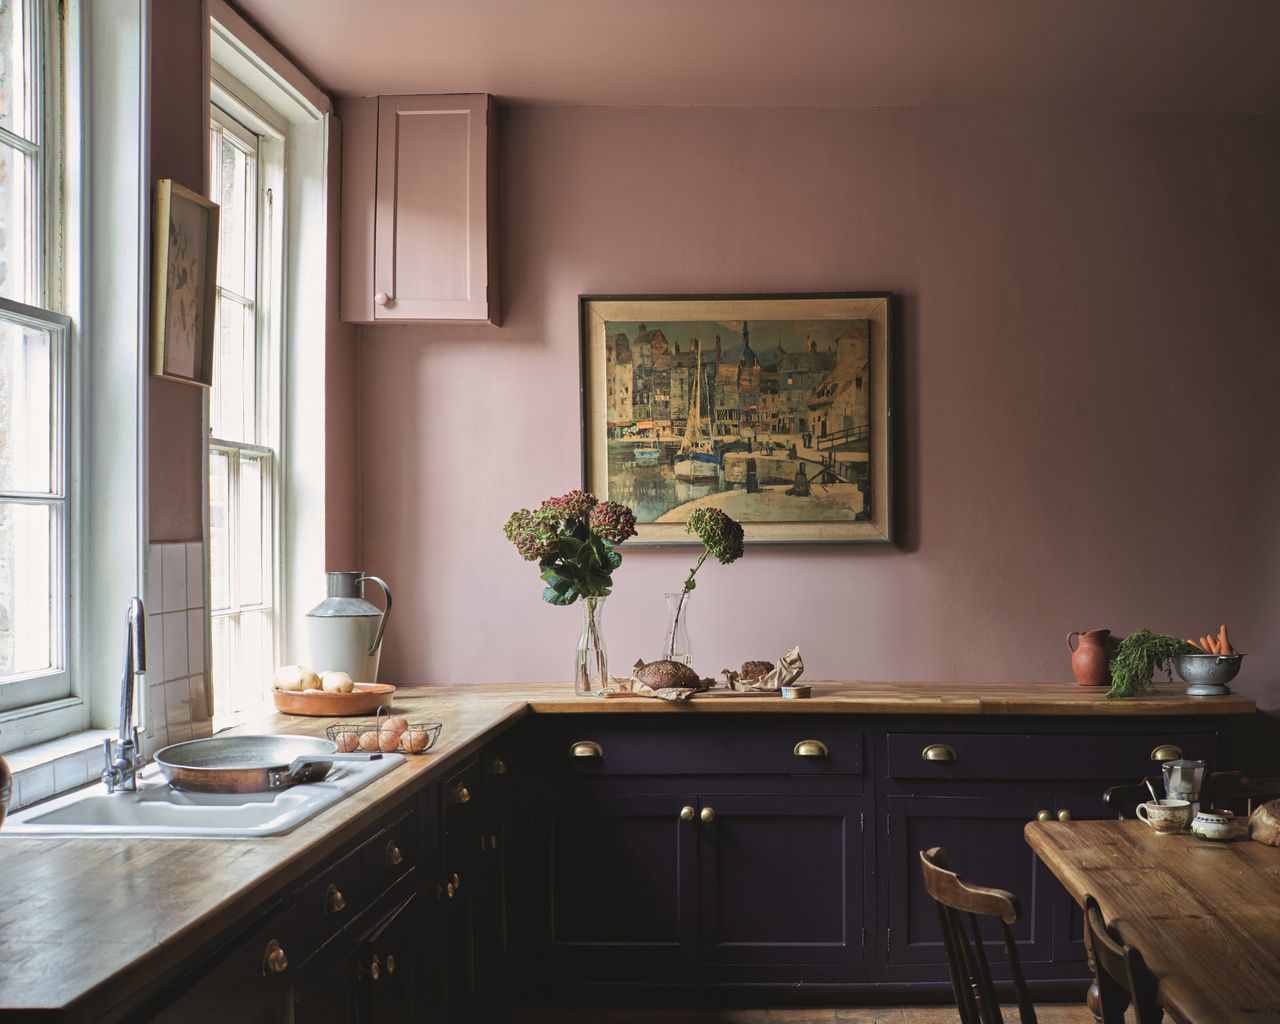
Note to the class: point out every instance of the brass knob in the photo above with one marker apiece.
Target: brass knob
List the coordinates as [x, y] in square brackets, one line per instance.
[1166, 752]
[810, 748]
[374, 969]
[391, 964]
[334, 903]
[273, 960]
[586, 748]
[938, 752]
[499, 767]
[393, 856]
[450, 890]
[708, 814]
[455, 881]
[462, 795]
[1064, 815]
[493, 842]
[1044, 816]
[686, 813]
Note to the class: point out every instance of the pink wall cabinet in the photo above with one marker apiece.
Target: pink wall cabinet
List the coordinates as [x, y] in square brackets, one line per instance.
[418, 222]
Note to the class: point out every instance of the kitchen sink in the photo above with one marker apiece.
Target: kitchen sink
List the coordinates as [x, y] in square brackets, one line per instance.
[162, 812]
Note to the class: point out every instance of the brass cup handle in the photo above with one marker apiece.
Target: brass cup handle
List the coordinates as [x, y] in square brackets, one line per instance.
[1166, 752]
[273, 959]
[708, 814]
[375, 968]
[499, 767]
[586, 748]
[686, 813]
[1044, 816]
[810, 748]
[462, 795]
[334, 901]
[393, 856]
[1064, 815]
[938, 752]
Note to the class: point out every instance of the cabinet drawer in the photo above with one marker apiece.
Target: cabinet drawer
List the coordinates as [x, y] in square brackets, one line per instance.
[911, 755]
[390, 854]
[459, 794]
[805, 749]
[331, 900]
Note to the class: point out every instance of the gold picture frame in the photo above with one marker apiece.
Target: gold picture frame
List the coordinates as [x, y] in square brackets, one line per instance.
[793, 397]
[184, 278]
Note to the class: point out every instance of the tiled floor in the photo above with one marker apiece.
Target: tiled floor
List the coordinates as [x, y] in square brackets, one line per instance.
[1069, 1014]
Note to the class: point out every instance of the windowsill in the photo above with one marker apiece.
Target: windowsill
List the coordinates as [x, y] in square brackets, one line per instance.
[46, 769]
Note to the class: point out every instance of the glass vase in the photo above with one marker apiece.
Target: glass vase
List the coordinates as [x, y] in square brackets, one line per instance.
[591, 674]
[676, 646]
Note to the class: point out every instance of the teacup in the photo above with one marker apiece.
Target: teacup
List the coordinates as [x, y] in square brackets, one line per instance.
[1166, 816]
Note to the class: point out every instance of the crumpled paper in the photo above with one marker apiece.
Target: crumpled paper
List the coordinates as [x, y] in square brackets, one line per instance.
[788, 669]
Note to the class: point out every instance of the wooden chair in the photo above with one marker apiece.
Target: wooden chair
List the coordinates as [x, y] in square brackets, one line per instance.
[966, 953]
[1119, 971]
[1219, 788]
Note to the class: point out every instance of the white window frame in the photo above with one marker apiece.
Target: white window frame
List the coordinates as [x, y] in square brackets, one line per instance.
[40, 704]
[238, 112]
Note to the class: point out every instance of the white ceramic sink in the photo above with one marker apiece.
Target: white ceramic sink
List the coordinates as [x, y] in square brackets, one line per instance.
[156, 810]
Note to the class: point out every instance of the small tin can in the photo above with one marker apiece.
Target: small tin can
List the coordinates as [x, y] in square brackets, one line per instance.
[800, 691]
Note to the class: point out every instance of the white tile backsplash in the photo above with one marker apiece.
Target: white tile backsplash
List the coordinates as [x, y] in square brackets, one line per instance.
[178, 623]
[173, 583]
[195, 576]
[173, 626]
[195, 640]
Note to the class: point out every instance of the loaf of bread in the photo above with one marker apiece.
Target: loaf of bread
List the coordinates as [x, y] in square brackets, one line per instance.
[1264, 823]
[755, 670]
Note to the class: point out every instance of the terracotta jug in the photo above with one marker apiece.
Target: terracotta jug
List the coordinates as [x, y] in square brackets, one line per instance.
[1090, 660]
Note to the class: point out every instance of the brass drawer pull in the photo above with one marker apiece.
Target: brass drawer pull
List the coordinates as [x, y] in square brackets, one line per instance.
[810, 748]
[462, 795]
[1044, 816]
[273, 959]
[1166, 752]
[1064, 815]
[708, 814]
[686, 813]
[586, 748]
[334, 902]
[939, 752]
[393, 856]
[498, 767]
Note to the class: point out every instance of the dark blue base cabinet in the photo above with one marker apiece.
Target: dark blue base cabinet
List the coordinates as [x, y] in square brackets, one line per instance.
[737, 857]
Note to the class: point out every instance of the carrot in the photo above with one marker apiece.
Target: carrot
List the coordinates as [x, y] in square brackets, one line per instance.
[1224, 645]
[1193, 643]
[1207, 643]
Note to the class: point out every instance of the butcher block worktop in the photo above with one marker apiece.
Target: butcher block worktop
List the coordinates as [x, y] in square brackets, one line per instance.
[86, 923]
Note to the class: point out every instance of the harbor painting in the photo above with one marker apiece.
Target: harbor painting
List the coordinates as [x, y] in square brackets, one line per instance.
[775, 410]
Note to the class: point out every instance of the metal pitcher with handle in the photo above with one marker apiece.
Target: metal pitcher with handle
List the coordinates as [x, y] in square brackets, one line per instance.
[345, 630]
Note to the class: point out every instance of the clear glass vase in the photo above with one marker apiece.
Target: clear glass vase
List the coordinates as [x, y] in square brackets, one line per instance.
[676, 646]
[591, 673]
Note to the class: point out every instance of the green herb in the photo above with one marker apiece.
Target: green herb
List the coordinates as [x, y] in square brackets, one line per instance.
[1138, 656]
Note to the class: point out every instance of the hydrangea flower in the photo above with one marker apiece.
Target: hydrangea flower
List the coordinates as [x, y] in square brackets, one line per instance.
[720, 534]
[613, 521]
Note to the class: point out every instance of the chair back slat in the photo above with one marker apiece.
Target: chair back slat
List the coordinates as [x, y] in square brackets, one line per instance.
[1120, 972]
[967, 961]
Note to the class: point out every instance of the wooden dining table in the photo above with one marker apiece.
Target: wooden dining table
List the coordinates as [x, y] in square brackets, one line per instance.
[1205, 915]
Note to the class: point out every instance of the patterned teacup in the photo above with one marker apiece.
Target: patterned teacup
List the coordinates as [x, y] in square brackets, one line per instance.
[1166, 816]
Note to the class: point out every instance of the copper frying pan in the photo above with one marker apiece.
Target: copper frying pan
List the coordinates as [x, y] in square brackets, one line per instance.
[249, 764]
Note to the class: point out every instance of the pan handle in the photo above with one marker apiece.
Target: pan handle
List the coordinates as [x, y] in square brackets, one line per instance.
[300, 764]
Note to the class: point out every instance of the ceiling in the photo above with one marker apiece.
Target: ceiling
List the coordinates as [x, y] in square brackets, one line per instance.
[1085, 54]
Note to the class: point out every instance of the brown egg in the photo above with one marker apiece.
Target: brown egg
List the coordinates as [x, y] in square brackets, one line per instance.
[388, 740]
[347, 742]
[414, 741]
[396, 724]
[369, 741]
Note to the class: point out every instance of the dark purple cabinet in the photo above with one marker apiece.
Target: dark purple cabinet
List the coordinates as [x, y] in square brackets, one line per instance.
[780, 879]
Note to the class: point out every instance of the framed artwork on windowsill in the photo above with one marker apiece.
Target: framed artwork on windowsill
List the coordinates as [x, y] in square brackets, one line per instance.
[184, 275]
[775, 408]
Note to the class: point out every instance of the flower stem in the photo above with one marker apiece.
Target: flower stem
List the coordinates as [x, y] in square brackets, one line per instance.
[684, 593]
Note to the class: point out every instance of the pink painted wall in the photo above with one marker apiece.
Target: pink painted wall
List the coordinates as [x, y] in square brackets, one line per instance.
[179, 150]
[1087, 422]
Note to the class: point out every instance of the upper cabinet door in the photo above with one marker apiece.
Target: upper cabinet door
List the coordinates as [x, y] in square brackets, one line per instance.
[418, 219]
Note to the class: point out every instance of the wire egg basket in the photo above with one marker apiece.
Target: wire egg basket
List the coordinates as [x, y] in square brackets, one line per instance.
[388, 734]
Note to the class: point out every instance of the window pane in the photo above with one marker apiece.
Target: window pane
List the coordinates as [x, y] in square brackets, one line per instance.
[17, 224]
[26, 409]
[236, 261]
[251, 549]
[219, 530]
[233, 410]
[13, 64]
[223, 628]
[255, 666]
[27, 569]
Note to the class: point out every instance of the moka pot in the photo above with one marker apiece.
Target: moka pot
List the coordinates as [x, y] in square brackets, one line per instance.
[345, 630]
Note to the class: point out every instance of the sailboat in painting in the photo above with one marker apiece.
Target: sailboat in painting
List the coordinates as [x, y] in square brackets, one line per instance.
[696, 458]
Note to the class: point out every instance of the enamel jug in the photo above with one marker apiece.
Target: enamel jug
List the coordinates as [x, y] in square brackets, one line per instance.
[345, 630]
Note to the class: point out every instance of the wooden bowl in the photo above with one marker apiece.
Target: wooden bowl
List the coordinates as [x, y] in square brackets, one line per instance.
[365, 699]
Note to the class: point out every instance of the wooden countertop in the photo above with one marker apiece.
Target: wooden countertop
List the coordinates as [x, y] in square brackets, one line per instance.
[1203, 914]
[85, 923]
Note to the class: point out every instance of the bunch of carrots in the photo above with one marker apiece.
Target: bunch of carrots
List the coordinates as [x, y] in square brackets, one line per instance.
[1214, 645]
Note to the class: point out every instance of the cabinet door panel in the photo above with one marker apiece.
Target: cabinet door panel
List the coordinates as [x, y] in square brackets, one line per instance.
[982, 837]
[620, 871]
[430, 244]
[394, 948]
[780, 879]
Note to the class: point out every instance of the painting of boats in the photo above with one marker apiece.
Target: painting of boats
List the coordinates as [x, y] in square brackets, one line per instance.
[774, 409]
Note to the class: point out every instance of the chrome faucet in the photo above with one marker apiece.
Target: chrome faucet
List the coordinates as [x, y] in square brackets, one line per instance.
[123, 756]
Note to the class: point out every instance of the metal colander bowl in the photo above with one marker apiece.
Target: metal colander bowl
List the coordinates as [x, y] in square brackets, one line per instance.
[1207, 675]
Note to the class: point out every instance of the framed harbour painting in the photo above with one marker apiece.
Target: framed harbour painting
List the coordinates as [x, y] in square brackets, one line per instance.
[774, 408]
